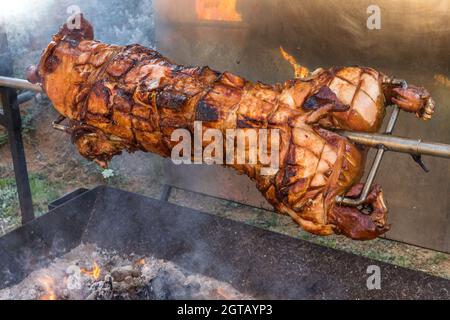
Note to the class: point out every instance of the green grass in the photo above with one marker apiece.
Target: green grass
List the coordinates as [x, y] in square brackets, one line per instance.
[3, 137]
[42, 191]
[269, 222]
[437, 258]
[28, 128]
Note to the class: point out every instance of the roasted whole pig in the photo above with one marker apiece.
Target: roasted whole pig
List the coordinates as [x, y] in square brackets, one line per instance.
[132, 98]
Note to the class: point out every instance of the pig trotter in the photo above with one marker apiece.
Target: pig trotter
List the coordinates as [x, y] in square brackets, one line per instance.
[409, 98]
[355, 223]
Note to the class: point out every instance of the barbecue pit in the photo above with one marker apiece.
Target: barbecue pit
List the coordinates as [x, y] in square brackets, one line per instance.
[255, 263]
[237, 260]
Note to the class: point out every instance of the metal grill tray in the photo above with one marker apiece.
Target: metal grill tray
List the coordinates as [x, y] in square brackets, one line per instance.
[255, 261]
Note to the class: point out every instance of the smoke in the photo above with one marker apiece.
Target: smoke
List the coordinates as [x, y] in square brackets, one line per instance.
[26, 28]
[30, 24]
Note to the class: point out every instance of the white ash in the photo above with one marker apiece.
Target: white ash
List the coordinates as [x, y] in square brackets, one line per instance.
[73, 276]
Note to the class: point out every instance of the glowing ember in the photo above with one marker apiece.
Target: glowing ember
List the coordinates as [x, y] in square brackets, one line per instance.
[299, 71]
[442, 80]
[48, 284]
[217, 10]
[94, 272]
[119, 278]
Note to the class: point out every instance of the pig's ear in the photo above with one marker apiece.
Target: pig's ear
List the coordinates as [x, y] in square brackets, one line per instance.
[78, 29]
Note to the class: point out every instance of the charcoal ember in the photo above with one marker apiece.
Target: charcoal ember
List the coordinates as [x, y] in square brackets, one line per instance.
[101, 290]
[129, 285]
[121, 273]
[165, 286]
[122, 278]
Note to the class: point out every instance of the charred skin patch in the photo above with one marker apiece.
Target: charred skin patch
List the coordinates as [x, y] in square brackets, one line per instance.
[52, 62]
[311, 103]
[291, 156]
[206, 112]
[171, 100]
[289, 173]
[122, 101]
[244, 122]
[98, 102]
[324, 97]
[141, 50]
[178, 69]
[282, 194]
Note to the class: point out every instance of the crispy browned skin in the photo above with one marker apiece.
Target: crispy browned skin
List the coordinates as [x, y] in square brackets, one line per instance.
[133, 98]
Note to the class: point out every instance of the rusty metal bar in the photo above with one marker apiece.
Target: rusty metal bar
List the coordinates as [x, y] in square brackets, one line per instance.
[19, 84]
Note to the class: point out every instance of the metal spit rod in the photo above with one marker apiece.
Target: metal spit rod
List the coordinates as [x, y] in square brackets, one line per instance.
[399, 144]
[19, 84]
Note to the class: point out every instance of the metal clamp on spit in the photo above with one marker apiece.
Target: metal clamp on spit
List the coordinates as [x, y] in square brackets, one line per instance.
[387, 142]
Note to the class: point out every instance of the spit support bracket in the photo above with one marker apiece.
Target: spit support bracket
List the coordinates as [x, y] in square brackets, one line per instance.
[58, 126]
[387, 142]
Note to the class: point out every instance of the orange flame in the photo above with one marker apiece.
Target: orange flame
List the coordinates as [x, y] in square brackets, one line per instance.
[300, 72]
[94, 272]
[442, 80]
[48, 284]
[141, 262]
[217, 10]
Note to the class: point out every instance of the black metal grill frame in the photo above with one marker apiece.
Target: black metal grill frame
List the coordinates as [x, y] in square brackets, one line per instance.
[11, 120]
